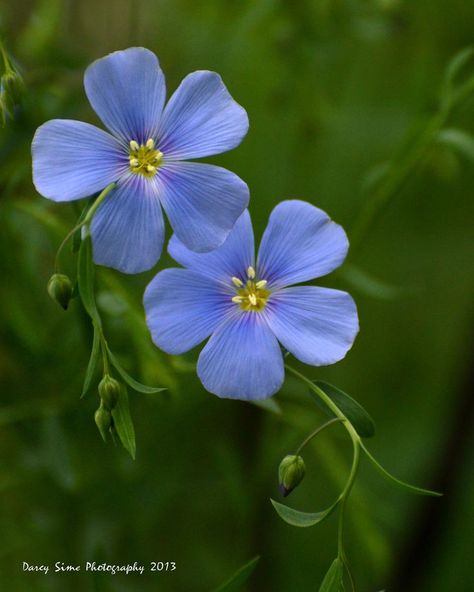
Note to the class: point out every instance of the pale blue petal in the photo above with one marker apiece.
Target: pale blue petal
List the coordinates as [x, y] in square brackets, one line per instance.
[299, 244]
[202, 202]
[73, 160]
[128, 229]
[317, 325]
[183, 308]
[127, 91]
[201, 119]
[232, 258]
[242, 359]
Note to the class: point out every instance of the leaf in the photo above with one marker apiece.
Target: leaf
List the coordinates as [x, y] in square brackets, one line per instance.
[370, 285]
[85, 278]
[301, 519]
[355, 413]
[132, 383]
[397, 482]
[239, 578]
[123, 423]
[456, 64]
[92, 362]
[268, 405]
[458, 139]
[333, 580]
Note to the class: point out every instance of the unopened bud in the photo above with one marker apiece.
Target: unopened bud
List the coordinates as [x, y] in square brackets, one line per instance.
[109, 391]
[291, 472]
[60, 289]
[103, 420]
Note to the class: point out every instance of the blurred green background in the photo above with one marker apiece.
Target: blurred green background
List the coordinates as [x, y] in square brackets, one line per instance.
[334, 89]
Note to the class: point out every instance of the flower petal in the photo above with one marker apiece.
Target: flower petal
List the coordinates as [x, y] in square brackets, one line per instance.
[182, 309]
[300, 243]
[242, 359]
[72, 159]
[128, 229]
[127, 91]
[201, 119]
[232, 258]
[202, 202]
[317, 325]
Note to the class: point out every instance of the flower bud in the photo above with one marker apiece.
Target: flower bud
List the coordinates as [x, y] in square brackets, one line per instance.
[109, 392]
[103, 420]
[60, 289]
[291, 472]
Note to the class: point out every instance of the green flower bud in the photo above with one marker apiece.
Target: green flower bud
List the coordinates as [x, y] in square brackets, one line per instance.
[103, 420]
[60, 289]
[109, 391]
[291, 472]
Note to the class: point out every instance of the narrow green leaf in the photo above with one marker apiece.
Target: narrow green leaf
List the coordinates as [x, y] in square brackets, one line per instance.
[132, 383]
[92, 362]
[355, 413]
[370, 285]
[456, 64]
[301, 519]
[238, 579]
[397, 482]
[76, 239]
[333, 580]
[268, 405]
[458, 139]
[124, 424]
[85, 278]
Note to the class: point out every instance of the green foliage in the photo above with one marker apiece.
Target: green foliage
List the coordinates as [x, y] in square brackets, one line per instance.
[298, 518]
[237, 580]
[333, 580]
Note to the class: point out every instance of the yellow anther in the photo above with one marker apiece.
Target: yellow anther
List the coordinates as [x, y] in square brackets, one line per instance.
[261, 284]
[134, 145]
[237, 299]
[134, 162]
[237, 282]
[251, 272]
[150, 168]
[252, 299]
[150, 143]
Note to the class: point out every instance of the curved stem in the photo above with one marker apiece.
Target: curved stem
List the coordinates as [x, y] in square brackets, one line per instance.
[316, 432]
[87, 220]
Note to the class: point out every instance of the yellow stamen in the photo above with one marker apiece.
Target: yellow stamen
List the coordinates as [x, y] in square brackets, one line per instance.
[251, 272]
[134, 145]
[150, 143]
[237, 299]
[144, 159]
[237, 282]
[261, 284]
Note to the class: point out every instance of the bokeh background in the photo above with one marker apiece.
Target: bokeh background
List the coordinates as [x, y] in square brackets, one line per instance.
[340, 95]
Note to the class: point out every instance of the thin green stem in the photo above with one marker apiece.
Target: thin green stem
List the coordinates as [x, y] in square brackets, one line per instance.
[86, 222]
[105, 356]
[316, 432]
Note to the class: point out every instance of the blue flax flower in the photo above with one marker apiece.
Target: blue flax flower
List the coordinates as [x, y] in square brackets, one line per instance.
[247, 307]
[145, 153]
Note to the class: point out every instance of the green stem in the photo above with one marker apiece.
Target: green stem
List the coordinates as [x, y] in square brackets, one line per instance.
[105, 356]
[316, 432]
[86, 222]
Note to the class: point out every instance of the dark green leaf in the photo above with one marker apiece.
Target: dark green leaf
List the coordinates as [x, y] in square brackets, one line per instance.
[85, 277]
[132, 383]
[301, 519]
[92, 362]
[124, 424]
[355, 413]
[238, 579]
[397, 482]
[333, 580]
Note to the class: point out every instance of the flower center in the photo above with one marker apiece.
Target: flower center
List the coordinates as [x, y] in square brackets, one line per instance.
[144, 158]
[253, 295]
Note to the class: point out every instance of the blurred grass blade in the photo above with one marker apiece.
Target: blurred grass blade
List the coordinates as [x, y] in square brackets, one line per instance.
[461, 141]
[456, 64]
[268, 405]
[400, 484]
[92, 362]
[85, 278]
[132, 383]
[235, 583]
[369, 285]
[333, 580]
[301, 519]
[355, 413]
[124, 424]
